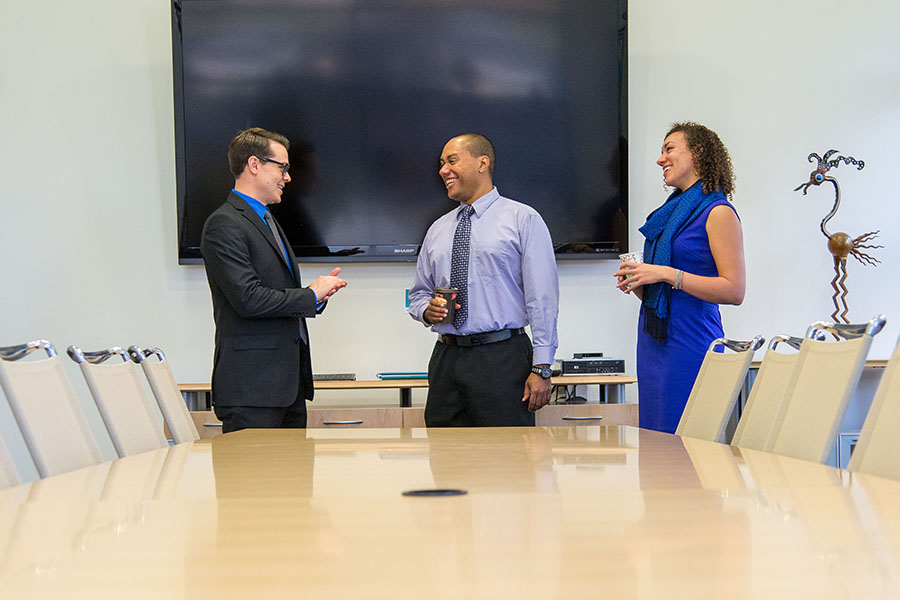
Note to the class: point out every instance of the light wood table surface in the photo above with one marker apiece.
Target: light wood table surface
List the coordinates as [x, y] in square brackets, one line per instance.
[569, 512]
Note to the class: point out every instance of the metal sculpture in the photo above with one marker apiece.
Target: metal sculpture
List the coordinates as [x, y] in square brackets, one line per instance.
[840, 244]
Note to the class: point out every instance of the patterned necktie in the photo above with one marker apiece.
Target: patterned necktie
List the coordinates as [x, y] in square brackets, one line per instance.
[459, 264]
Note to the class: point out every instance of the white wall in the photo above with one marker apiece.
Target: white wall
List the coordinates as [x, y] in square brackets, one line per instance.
[779, 80]
[88, 239]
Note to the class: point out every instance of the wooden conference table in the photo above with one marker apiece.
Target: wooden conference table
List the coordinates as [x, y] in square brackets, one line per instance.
[574, 512]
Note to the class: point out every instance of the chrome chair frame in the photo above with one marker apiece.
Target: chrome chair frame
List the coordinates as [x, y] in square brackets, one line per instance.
[848, 331]
[11, 353]
[95, 358]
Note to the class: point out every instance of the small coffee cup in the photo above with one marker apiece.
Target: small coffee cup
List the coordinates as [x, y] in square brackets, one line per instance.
[633, 257]
[449, 294]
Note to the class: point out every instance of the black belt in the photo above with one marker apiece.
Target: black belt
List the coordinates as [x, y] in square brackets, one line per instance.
[478, 339]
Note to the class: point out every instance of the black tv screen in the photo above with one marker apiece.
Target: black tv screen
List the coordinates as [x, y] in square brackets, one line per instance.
[368, 92]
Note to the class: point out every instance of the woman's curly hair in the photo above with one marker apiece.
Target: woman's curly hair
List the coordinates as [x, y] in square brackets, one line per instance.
[711, 159]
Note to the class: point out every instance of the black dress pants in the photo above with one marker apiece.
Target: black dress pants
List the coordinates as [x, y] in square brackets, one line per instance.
[235, 418]
[479, 385]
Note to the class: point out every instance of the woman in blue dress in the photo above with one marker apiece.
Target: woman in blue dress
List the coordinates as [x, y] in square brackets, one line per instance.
[693, 261]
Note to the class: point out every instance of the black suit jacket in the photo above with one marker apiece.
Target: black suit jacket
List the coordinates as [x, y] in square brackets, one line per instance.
[259, 308]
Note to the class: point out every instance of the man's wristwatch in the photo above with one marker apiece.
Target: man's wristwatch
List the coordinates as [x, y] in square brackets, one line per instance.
[544, 372]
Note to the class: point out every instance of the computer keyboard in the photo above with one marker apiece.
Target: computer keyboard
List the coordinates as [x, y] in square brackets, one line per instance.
[334, 377]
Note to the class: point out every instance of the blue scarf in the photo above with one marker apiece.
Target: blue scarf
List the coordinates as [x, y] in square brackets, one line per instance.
[663, 224]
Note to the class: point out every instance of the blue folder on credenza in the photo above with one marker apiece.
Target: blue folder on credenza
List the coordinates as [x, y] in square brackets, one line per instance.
[402, 375]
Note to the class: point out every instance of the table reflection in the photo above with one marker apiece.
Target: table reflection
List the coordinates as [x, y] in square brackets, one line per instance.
[550, 512]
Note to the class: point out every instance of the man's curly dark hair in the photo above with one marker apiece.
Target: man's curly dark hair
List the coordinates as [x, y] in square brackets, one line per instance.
[711, 159]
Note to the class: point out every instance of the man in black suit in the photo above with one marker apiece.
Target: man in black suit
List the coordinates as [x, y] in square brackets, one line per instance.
[262, 373]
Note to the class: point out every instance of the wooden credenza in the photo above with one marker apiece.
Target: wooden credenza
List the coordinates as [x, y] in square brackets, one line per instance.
[612, 387]
[612, 412]
[395, 416]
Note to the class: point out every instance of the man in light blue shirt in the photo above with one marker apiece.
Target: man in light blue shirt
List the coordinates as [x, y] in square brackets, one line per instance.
[484, 370]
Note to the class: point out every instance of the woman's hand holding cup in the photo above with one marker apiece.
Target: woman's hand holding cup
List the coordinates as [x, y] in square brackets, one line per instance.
[630, 260]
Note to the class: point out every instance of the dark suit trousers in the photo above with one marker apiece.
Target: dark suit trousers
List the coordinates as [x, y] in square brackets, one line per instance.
[293, 416]
[235, 418]
[479, 385]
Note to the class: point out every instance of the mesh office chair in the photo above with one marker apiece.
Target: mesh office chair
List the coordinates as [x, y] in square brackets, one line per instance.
[716, 389]
[766, 395]
[45, 407]
[126, 411]
[878, 450]
[8, 474]
[165, 390]
[824, 379]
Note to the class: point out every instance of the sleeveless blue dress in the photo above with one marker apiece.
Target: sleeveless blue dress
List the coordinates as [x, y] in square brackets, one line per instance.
[666, 371]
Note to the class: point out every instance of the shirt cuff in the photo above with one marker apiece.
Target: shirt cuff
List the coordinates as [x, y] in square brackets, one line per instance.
[319, 305]
[542, 355]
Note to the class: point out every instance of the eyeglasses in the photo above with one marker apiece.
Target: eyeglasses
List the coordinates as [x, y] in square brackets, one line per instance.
[285, 167]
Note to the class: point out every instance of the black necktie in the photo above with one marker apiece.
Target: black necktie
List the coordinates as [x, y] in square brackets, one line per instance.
[459, 264]
[270, 221]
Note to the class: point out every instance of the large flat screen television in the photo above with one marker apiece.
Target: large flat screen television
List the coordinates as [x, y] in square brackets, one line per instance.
[368, 92]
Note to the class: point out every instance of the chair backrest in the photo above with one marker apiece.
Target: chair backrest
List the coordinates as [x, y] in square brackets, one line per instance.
[8, 474]
[45, 408]
[878, 449]
[823, 382]
[766, 395]
[165, 390]
[716, 389]
[124, 406]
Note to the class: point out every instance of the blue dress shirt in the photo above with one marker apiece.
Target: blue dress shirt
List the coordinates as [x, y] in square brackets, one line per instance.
[512, 272]
[260, 209]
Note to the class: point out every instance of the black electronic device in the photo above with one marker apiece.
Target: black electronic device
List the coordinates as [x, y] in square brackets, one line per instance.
[369, 91]
[587, 355]
[593, 366]
[334, 376]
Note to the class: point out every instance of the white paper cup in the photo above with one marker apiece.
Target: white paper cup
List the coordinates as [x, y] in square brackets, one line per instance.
[633, 257]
